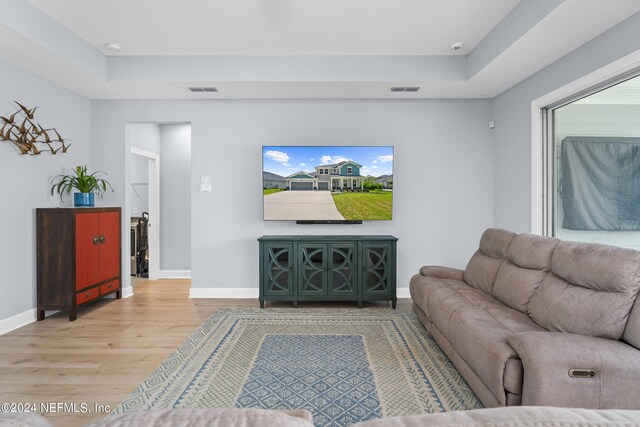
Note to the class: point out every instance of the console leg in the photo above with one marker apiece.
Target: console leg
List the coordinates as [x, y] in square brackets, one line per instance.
[295, 304]
[72, 314]
[261, 304]
[40, 315]
[393, 303]
[359, 304]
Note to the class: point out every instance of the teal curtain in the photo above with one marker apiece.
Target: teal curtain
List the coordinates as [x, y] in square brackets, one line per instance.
[600, 183]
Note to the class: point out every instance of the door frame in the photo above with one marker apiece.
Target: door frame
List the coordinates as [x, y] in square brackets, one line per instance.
[153, 160]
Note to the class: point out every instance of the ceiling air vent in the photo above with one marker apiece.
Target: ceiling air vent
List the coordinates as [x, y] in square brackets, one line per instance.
[202, 89]
[404, 88]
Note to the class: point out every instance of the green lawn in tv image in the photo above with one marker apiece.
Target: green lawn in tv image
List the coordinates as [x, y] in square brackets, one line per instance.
[266, 191]
[364, 206]
[352, 183]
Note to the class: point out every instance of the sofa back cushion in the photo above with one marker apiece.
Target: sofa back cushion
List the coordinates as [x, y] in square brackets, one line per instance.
[483, 266]
[590, 290]
[632, 331]
[528, 263]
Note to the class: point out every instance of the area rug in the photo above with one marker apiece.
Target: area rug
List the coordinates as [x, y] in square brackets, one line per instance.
[343, 365]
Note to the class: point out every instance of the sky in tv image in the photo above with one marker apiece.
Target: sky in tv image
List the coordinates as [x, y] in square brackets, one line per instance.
[286, 160]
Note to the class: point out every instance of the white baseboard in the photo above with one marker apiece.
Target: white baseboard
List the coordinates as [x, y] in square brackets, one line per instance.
[223, 293]
[127, 291]
[17, 321]
[403, 293]
[174, 274]
[252, 293]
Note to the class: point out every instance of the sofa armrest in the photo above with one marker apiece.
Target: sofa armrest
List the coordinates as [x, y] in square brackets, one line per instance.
[442, 272]
[608, 371]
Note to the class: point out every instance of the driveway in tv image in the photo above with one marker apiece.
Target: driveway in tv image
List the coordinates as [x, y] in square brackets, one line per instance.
[300, 205]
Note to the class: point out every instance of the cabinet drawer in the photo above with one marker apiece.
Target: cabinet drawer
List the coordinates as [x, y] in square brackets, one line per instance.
[85, 296]
[111, 286]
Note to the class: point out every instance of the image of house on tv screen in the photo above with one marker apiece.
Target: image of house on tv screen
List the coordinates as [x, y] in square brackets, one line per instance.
[327, 183]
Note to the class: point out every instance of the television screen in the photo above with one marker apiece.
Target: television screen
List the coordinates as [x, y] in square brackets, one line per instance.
[327, 183]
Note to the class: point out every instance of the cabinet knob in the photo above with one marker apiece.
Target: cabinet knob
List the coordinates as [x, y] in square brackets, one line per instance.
[95, 240]
[103, 239]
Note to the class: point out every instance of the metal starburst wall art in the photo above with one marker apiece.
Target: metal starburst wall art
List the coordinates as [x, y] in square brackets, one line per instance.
[28, 136]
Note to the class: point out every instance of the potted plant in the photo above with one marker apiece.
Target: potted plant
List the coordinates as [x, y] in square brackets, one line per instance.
[87, 184]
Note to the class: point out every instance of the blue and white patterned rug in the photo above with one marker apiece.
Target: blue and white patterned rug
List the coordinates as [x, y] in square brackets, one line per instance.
[343, 365]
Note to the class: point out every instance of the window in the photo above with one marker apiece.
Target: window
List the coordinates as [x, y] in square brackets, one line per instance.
[321, 171]
[326, 171]
[349, 170]
[335, 170]
[593, 167]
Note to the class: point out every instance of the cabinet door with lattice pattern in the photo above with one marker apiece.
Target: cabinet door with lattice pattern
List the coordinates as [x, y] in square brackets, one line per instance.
[378, 270]
[278, 269]
[312, 269]
[342, 270]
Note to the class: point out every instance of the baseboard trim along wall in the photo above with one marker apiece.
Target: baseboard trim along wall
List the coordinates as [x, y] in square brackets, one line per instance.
[223, 293]
[174, 274]
[251, 293]
[403, 293]
[19, 320]
[127, 292]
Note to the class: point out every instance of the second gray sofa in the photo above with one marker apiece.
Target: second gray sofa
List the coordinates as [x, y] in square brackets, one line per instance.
[534, 320]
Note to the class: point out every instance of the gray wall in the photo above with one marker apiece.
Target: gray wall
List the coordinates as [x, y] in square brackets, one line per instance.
[512, 114]
[145, 136]
[443, 173]
[24, 180]
[139, 188]
[175, 196]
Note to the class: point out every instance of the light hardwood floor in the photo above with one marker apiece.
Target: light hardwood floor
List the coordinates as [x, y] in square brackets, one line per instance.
[103, 355]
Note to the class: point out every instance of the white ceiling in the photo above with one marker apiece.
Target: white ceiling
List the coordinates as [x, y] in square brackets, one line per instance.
[297, 48]
[279, 27]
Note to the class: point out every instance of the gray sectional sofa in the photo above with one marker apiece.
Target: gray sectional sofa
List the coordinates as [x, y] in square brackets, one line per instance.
[534, 320]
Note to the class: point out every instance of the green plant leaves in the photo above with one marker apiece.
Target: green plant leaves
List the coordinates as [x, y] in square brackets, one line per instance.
[80, 180]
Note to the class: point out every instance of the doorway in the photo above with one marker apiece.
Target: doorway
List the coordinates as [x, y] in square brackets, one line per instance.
[159, 201]
[145, 214]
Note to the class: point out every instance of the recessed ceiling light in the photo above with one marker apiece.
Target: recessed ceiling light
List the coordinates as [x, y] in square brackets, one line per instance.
[456, 46]
[114, 47]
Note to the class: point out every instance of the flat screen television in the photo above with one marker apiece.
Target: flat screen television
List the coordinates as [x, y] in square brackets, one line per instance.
[327, 184]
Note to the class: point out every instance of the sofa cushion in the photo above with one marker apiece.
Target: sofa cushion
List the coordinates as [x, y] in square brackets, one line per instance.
[478, 326]
[23, 419]
[451, 296]
[518, 416]
[224, 417]
[527, 264]
[420, 288]
[439, 298]
[483, 266]
[590, 291]
[481, 338]
[632, 331]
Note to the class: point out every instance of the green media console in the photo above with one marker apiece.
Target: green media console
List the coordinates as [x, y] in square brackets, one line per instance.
[328, 268]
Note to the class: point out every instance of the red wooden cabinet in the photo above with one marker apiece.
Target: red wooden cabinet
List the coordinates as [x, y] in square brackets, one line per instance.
[78, 257]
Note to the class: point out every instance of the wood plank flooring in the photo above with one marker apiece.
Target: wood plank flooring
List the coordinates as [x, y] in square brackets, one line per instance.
[112, 347]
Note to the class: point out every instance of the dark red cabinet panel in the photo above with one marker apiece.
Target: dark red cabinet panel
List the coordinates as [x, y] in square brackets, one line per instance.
[109, 245]
[87, 250]
[78, 257]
